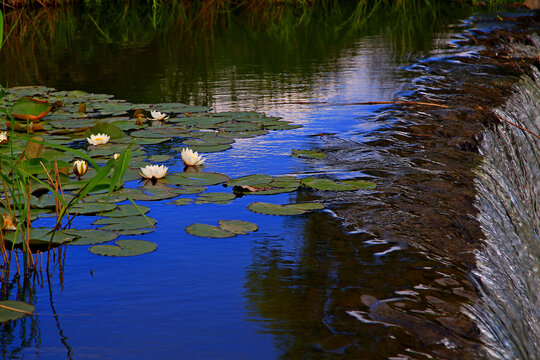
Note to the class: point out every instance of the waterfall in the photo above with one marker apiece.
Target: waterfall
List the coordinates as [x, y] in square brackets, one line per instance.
[508, 274]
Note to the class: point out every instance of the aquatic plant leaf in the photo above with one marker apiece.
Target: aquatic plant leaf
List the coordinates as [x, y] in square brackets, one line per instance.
[190, 190]
[124, 248]
[209, 231]
[127, 210]
[106, 149]
[33, 109]
[285, 182]
[105, 128]
[271, 191]
[325, 184]
[197, 179]
[307, 206]
[238, 226]
[159, 158]
[205, 148]
[91, 208]
[39, 236]
[215, 198]
[90, 236]
[159, 191]
[125, 223]
[361, 184]
[182, 201]
[273, 209]
[309, 154]
[135, 194]
[8, 315]
[252, 180]
[113, 198]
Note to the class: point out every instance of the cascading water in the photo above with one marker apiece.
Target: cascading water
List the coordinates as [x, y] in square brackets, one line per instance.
[509, 202]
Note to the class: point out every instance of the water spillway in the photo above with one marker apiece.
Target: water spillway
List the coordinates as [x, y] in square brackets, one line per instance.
[508, 200]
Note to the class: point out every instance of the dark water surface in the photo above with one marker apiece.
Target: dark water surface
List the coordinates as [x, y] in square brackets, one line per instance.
[303, 286]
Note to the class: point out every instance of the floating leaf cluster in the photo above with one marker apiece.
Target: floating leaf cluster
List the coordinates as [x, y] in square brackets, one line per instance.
[101, 127]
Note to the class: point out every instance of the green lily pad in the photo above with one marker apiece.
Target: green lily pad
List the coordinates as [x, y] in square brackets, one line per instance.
[307, 206]
[205, 148]
[33, 109]
[91, 208]
[238, 226]
[252, 180]
[107, 149]
[325, 184]
[190, 190]
[90, 236]
[215, 198]
[127, 210]
[39, 236]
[105, 128]
[159, 191]
[285, 182]
[197, 179]
[182, 201]
[125, 223]
[209, 231]
[124, 248]
[273, 209]
[159, 158]
[309, 154]
[361, 184]
[136, 194]
[8, 315]
[272, 191]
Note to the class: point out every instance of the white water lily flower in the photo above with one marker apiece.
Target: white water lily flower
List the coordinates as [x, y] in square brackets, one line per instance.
[3, 137]
[191, 158]
[79, 168]
[153, 171]
[98, 139]
[156, 115]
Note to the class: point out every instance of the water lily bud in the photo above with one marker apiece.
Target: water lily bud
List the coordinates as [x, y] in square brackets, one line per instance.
[79, 168]
[116, 156]
[3, 138]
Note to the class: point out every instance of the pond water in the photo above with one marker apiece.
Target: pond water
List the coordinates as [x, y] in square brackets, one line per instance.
[301, 286]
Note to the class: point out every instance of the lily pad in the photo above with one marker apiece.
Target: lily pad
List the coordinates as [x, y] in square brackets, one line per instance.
[127, 210]
[39, 236]
[273, 209]
[159, 158]
[91, 208]
[307, 206]
[124, 248]
[252, 180]
[325, 184]
[209, 231]
[125, 223]
[205, 148]
[182, 201]
[190, 190]
[105, 128]
[33, 109]
[361, 184]
[309, 154]
[197, 179]
[238, 226]
[13, 310]
[215, 198]
[91, 236]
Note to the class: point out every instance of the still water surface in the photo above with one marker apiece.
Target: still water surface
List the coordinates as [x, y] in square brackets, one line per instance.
[294, 288]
